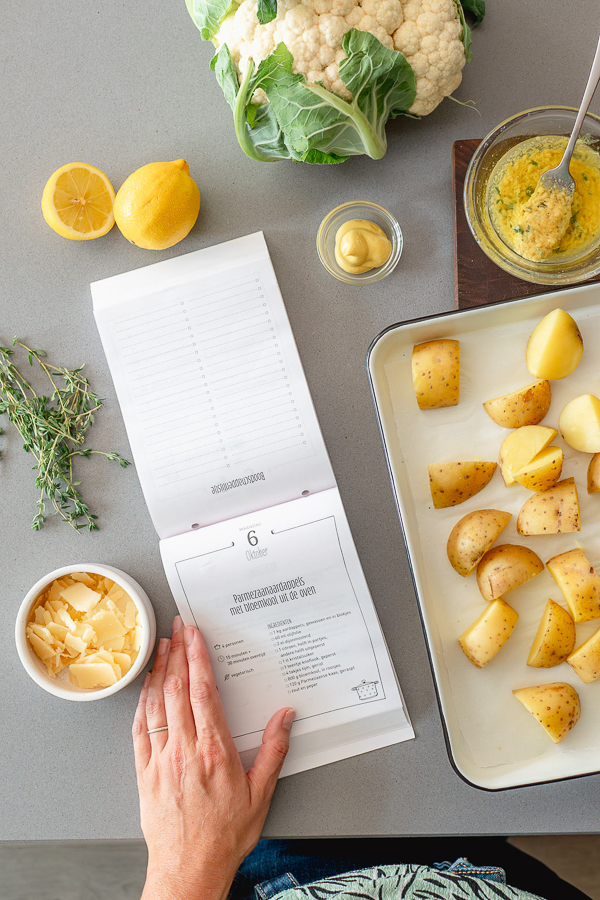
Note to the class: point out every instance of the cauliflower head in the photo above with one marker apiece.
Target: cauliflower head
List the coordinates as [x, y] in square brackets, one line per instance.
[316, 81]
[429, 33]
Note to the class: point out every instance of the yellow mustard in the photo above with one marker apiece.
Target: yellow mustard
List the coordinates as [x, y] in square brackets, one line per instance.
[539, 226]
[361, 245]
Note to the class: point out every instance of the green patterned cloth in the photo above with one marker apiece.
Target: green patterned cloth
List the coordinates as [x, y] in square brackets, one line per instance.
[407, 882]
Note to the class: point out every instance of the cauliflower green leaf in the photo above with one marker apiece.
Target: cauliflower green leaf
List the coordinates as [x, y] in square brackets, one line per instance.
[257, 129]
[476, 8]
[317, 125]
[266, 11]
[207, 15]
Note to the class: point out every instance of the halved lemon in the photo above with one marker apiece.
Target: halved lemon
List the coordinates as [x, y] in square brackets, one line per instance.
[78, 202]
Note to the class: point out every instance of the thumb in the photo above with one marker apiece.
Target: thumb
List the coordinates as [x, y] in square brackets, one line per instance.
[272, 753]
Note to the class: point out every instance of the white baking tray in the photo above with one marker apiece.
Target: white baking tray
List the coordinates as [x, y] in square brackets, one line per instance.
[493, 742]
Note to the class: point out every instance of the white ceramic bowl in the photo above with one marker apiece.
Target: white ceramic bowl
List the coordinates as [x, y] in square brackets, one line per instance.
[64, 689]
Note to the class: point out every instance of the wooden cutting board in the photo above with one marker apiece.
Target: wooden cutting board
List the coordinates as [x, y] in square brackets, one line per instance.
[477, 280]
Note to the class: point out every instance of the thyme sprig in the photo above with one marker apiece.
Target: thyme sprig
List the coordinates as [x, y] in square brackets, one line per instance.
[53, 429]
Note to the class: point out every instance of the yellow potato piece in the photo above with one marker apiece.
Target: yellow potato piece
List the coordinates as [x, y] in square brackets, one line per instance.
[555, 347]
[454, 482]
[579, 423]
[435, 372]
[527, 406]
[542, 472]
[488, 633]
[556, 706]
[554, 639]
[472, 536]
[593, 475]
[506, 567]
[554, 511]
[585, 660]
[521, 447]
[578, 582]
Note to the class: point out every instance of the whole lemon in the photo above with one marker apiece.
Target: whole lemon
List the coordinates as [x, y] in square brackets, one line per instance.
[157, 205]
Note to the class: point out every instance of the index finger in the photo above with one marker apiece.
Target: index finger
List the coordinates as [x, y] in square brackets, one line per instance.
[207, 708]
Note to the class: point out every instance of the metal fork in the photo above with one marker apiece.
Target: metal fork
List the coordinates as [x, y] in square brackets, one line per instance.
[559, 178]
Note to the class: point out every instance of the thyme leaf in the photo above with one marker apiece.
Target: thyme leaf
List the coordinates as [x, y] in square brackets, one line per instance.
[53, 429]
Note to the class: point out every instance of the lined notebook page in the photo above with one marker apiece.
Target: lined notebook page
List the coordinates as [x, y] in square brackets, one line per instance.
[211, 387]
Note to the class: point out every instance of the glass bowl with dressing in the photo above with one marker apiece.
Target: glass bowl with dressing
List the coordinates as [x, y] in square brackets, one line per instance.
[345, 215]
[503, 175]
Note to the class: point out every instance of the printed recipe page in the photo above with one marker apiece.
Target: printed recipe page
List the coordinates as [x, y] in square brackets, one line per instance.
[279, 604]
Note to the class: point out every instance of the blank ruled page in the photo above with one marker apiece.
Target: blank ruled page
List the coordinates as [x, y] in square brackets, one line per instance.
[212, 390]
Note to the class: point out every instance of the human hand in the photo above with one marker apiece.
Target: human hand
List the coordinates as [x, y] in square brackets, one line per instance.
[201, 813]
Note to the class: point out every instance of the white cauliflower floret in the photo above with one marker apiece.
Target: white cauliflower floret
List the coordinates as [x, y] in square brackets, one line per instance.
[430, 39]
[333, 29]
[354, 17]
[428, 23]
[262, 45]
[408, 38]
[427, 32]
[326, 55]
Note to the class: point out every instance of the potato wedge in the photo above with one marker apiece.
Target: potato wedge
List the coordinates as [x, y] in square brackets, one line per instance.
[521, 447]
[555, 346]
[593, 474]
[542, 472]
[504, 568]
[435, 372]
[579, 423]
[556, 706]
[578, 582]
[554, 639]
[454, 482]
[527, 406]
[555, 511]
[585, 660]
[488, 633]
[472, 536]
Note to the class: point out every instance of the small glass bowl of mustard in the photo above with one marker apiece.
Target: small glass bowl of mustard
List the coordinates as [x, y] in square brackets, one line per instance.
[528, 126]
[348, 212]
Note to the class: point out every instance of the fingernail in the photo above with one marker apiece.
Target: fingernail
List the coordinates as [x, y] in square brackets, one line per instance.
[288, 719]
[188, 635]
[177, 624]
[147, 679]
[163, 646]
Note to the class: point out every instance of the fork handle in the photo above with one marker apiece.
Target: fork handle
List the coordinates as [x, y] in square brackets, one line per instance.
[592, 84]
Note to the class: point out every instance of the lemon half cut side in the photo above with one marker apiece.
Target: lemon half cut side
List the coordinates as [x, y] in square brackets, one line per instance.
[78, 202]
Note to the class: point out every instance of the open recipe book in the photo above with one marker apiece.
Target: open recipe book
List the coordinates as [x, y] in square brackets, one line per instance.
[254, 538]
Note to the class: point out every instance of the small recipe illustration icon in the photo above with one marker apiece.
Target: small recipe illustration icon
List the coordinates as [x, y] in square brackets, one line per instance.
[366, 690]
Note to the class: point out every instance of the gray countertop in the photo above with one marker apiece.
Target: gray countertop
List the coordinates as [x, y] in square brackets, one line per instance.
[121, 83]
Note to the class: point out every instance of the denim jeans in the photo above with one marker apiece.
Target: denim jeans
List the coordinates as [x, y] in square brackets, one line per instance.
[275, 865]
